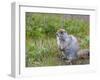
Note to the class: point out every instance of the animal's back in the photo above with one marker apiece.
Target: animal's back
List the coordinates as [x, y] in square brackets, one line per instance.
[72, 49]
[74, 43]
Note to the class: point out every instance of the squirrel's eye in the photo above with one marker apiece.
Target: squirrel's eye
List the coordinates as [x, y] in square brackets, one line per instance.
[61, 32]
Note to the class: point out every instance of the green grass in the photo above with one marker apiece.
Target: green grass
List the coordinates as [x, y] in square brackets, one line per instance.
[41, 44]
[44, 52]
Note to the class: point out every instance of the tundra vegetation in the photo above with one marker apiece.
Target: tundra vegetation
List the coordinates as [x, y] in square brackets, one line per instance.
[41, 45]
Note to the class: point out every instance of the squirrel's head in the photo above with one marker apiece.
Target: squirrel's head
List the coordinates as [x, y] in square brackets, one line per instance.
[61, 33]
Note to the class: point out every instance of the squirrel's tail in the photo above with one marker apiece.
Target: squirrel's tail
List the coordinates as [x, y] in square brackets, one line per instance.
[83, 54]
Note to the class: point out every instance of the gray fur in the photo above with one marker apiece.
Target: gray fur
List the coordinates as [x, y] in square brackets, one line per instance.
[68, 44]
